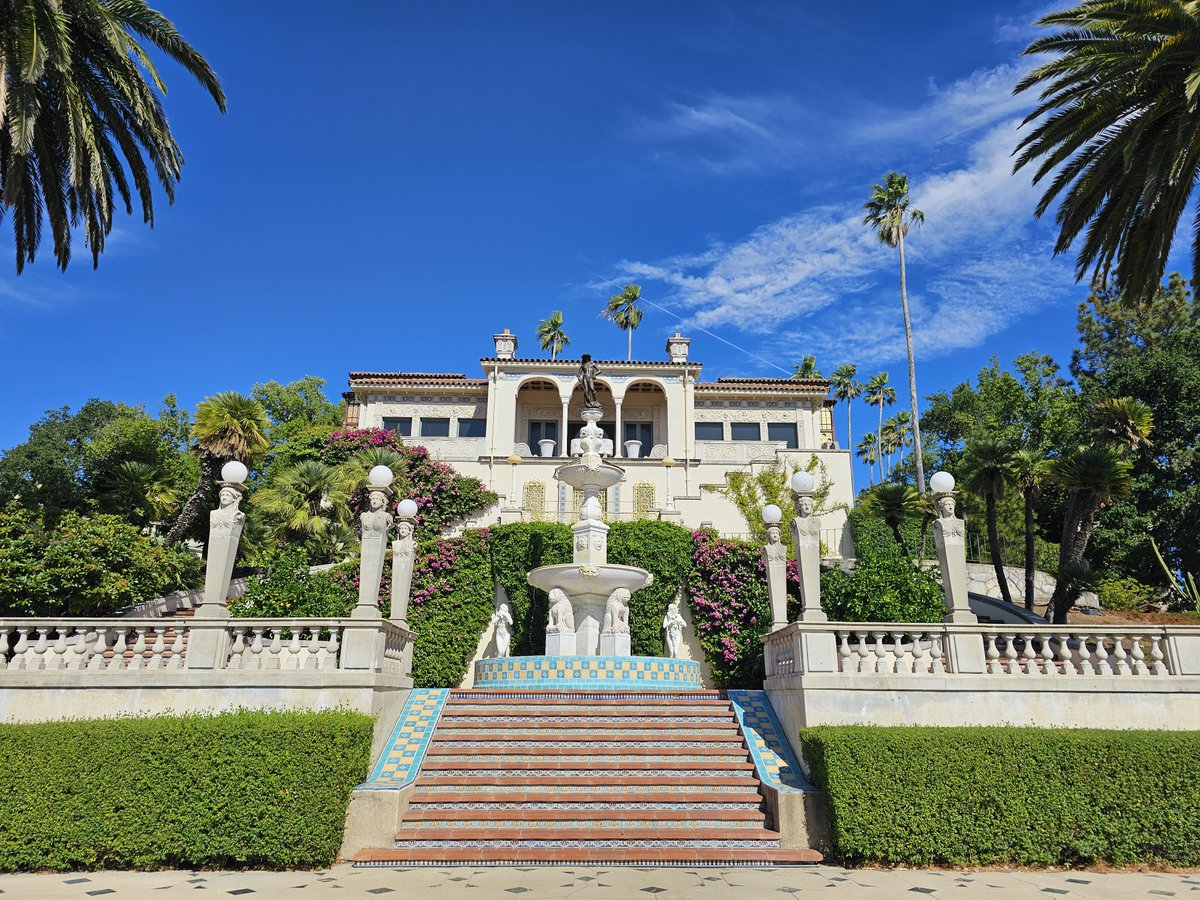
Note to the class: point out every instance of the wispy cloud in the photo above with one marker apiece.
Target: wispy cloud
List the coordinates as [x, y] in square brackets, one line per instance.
[820, 281]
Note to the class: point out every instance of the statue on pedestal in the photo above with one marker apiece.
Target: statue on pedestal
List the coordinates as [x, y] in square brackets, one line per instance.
[228, 514]
[404, 551]
[376, 519]
[950, 536]
[588, 372]
[775, 554]
[616, 613]
[673, 625]
[503, 621]
[562, 617]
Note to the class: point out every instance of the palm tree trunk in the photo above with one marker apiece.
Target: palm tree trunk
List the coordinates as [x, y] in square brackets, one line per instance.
[994, 547]
[1029, 549]
[849, 430]
[629, 353]
[1078, 521]
[879, 441]
[209, 472]
[912, 373]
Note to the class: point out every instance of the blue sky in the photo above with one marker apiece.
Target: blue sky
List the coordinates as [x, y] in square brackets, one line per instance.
[395, 181]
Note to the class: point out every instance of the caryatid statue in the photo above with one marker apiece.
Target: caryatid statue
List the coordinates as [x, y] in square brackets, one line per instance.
[404, 552]
[224, 532]
[588, 372]
[775, 554]
[950, 536]
[673, 625]
[502, 620]
[375, 524]
[616, 613]
[806, 538]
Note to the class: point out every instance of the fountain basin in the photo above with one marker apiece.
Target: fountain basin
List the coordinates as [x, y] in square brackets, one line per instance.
[591, 473]
[589, 580]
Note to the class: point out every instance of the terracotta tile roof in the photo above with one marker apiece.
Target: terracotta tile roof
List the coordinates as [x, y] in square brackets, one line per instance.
[655, 364]
[794, 385]
[442, 379]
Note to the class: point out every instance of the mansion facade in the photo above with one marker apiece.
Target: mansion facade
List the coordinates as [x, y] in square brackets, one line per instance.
[675, 435]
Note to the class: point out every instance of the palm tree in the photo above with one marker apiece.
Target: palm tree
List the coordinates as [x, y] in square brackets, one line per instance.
[79, 106]
[846, 388]
[1116, 127]
[1094, 477]
[1029, 467]
[895, 503]
[307, 504]
[868, 452]
[989, 471]
[889, 441]
[148, 487]
[806, 368]
[889, 214]
[551, 335]
[1123, 422]
[880, 393]
[623, 309]
[228, 426]
[902, 423]
[354, 471]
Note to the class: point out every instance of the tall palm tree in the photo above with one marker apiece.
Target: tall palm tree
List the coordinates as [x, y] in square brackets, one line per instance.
[868, 452]
[902, 423]
[988, 470]
[1029, 467]
[1123, 422]
[846, 388]
[307, 504]
[81, 123]
[1094, 477]
[889, 441]
[879, 393]
[623, 309]
[228, 426]
[1117, 128]
[354, 472]
[895, 503]
[806, 368]
[889, 213]
[551, 335]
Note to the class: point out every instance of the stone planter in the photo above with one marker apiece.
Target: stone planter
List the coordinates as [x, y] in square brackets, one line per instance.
[633, 449]
[547, 447]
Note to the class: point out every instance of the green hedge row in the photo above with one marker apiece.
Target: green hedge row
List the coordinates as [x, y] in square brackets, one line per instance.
[1024, 796]
[246, 789]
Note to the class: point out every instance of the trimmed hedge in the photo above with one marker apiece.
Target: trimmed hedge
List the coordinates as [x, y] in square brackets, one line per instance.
[1024, 796]
[241, 790]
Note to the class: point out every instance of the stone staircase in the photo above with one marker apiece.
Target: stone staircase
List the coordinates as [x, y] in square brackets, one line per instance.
[587, 777]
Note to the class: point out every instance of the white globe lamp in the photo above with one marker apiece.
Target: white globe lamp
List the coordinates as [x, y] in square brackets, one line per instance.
[772, 514]
[803, 482]
[379, 477]
[407, 508]
[941, 483]
[234, 471]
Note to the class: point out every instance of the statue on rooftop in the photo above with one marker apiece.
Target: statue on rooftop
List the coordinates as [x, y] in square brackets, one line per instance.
[588, 372]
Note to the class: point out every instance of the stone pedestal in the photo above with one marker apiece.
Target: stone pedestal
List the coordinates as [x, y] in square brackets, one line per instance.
[224, 532]
[614, 644]
[775, 557]
[373, 548]
[949, 534]
[560, 643]
[590, 542]
[806, 537]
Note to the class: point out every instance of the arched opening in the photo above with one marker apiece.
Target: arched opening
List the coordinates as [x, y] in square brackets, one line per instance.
[538, 419]
[643, 418]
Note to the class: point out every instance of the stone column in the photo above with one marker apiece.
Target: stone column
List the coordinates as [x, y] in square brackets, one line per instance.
[618, 436]
[564, 439]
[208, 641]
[949, 533]
[404, 551]
[806, 538]
[775, 555]
[375, 524]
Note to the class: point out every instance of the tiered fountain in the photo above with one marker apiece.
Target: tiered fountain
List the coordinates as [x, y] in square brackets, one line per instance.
[587, 636]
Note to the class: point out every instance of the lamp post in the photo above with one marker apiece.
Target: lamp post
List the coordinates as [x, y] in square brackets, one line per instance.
[806, 539]
[513, 461]
[224, 532]
[375, 524]
[950, 535]
[775, 557]
[668, 463]
[404, 550]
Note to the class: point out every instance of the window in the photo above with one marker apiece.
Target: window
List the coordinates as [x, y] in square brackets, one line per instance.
[745, 431]
[542, 431]
[783, 431]
[435, 428]
[472, 427]
[402, 426]
[640, 431]
[710, 431]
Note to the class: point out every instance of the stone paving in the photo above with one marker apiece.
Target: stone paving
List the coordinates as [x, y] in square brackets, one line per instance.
[535, 883]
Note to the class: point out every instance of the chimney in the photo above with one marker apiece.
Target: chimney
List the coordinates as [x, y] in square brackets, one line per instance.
[506, 344]
[677, 348]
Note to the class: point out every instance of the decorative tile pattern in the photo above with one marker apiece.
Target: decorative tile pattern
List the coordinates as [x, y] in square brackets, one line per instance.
[399, 763]
[571, 673]
[773, 757]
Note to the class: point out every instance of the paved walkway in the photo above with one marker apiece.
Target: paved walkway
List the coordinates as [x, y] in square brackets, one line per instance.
[619, 883]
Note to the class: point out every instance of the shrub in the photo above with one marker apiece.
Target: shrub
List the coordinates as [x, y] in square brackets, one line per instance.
[247, 789]
[1123, 593]
[1023, 796]
[286, 588]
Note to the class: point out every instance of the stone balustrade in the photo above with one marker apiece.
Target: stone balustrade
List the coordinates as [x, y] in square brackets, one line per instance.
[123, 645]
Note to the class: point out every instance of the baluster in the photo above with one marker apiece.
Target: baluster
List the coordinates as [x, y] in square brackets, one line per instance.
[19, 659]
[1010, 653]
[312, 649]
[56, 654]
[273, 661]
[118, 653]
[1119, 654]
[176, 661]
[921, 653]
[138, 660]
[843, 651]
[256, 650]
[938, 664]
[1087, 659]
[97, 660]
[156, 660]
[292, 658]
[1048, 667]
[993, 654]
[1064, 654]
[335, 645]
[1103, 666]
[882, 666]
[239, 649]
[863, 651]
[39, 649]
[1157, 666]
[1028, 654]
[903, 666]
[1139, 655]
[77, 658]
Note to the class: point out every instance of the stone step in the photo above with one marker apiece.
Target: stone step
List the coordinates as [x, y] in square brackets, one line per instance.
[550, 814]
[588, 767]
[587, 749]
[534, 736]
[618, 798]
[529, 834]
[601, 856]
[648, 783]
[625, 723]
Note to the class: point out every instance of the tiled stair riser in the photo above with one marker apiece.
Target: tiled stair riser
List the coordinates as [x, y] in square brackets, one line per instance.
[648, 843]
[569, 807]
[450, 790]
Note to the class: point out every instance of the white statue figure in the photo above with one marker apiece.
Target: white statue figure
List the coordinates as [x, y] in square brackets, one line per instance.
[503, 621]
[947, 524]
[616, 613]
[775, 553]
[949, 534]
[227, 514]
[673, 624]
[376, 519]
[562, 617]
[806, 539]
[404, 550]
